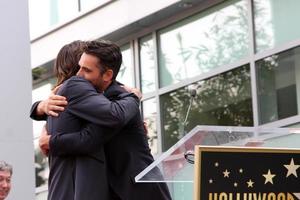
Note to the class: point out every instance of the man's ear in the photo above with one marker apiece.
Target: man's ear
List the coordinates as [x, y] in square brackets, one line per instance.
[108, 75]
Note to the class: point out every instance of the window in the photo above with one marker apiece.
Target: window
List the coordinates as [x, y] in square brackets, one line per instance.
[147, 63]
[278, 85]
[126, 73]
[213, 38]
[42, 73]
[276, 22]
[221, 100]
[150, 117]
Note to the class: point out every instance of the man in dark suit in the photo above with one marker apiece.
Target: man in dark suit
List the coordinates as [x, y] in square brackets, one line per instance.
[126, 148]
[66, 180]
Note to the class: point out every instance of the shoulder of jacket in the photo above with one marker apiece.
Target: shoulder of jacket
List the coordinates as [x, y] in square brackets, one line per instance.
[78, 82]
[76, 86]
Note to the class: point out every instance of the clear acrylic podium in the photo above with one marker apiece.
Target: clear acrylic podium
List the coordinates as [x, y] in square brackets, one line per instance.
[175, 165]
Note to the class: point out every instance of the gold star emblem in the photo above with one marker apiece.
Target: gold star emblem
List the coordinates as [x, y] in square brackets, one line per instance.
[250, 183]
[226, 173]
[269, 177]
[292, 168]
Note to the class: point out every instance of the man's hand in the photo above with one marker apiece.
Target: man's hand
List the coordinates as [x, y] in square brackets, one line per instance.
[52, 105]
[145, 128]
[44, 141]
[135, 91]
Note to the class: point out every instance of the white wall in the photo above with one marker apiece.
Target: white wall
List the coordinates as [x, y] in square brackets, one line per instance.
[101, 22]
[16, 143]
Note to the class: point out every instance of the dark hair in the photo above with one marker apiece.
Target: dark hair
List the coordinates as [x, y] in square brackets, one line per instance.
[66, 63]
[108, 53]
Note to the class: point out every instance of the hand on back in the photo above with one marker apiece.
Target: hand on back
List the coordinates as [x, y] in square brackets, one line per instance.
[44, 141]
[53, 105]
[135, 91]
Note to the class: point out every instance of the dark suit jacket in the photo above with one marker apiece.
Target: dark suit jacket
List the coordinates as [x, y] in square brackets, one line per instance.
[78, 177]
[127, 154]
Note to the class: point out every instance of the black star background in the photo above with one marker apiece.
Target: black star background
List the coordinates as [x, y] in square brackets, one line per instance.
[254, 165]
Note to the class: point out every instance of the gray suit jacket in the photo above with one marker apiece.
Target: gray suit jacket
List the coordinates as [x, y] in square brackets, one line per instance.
[79, 177]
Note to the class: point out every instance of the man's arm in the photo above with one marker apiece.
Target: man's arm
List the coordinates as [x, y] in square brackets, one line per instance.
[44, 141]
[86, 103]
[50, 106]
[84, 142]
[34, 114]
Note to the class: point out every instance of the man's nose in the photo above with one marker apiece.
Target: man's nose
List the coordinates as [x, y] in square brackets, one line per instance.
[79, 73]
[4, 184]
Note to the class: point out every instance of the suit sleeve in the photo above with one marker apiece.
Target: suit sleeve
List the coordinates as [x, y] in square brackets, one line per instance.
[84, 142]
[104, 118]
[33, 114]
[86, 103]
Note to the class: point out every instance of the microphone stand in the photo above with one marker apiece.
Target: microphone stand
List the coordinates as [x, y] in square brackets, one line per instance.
[189, 155]
[193, 93]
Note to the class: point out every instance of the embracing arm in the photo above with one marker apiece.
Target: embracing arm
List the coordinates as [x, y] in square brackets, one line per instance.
[50, 106]
[86, 103]
[33, 112]
[84, 142]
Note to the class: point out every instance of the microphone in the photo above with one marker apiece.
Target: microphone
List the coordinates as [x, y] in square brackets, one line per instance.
[193, 93]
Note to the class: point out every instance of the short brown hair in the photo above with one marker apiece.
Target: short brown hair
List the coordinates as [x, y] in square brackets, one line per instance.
[108, 53]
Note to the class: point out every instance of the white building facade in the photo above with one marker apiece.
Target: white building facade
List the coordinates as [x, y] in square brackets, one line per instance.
[242, 56]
